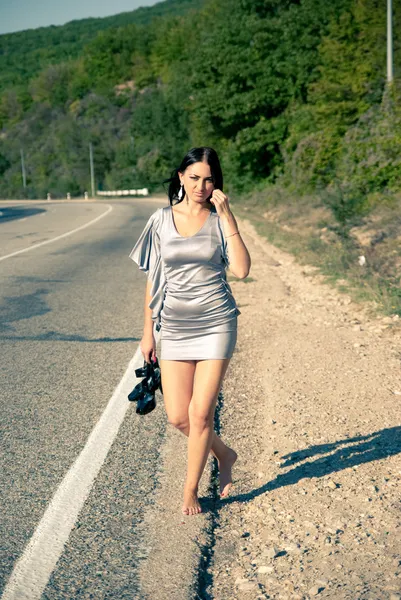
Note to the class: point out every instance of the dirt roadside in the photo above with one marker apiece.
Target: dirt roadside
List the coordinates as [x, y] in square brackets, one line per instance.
[311, 405]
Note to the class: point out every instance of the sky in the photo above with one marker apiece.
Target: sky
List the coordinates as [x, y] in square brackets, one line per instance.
[16, 15]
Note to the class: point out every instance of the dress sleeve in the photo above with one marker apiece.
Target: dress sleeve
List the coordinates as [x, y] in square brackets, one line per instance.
[146, 252]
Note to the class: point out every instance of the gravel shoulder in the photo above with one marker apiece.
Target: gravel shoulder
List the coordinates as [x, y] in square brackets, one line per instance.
[312, 406]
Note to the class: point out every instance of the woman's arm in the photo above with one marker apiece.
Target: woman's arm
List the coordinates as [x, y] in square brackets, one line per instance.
[148, 342]
[240, 260]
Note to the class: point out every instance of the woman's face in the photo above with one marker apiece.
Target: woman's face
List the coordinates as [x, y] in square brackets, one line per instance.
[197, 181]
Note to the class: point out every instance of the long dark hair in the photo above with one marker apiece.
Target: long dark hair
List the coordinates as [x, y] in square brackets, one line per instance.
[201, 154]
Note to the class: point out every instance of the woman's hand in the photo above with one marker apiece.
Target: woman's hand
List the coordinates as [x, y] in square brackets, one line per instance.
[220, 201]
[148, 347]
[227, 218]
[240, 261]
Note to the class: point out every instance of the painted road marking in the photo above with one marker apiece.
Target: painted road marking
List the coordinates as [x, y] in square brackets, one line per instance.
[33, 569]
[59, 237]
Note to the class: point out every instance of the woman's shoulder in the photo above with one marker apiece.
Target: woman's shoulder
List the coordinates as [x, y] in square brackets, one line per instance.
[160, 213]
[156, 218]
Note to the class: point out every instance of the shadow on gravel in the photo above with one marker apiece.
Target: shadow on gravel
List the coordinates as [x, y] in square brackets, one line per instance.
[324, 459]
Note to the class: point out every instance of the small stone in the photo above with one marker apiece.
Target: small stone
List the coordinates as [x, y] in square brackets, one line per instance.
[240, 581]
[271, 552]
[315, 590]
[265, 569]
[247, 587]
[332, 485]
[294, 548]
[395, 597]
[289, 585]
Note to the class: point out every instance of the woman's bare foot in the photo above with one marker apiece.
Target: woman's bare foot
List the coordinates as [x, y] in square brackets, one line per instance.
[225, 466]
[191, 504]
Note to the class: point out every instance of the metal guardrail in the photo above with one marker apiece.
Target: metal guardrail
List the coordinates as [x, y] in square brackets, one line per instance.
[140, 192]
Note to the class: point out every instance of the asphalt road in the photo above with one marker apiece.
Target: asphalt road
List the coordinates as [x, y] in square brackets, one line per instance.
[71, 316]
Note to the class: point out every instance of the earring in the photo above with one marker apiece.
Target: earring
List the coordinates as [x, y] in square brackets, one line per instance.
[180, 192]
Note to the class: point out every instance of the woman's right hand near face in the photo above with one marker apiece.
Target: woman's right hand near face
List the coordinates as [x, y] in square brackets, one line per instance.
[148, 347]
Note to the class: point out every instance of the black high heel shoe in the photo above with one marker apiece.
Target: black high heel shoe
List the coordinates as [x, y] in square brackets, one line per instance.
[144, 391]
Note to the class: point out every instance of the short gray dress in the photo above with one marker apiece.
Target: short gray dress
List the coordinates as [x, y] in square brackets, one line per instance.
[191, 301]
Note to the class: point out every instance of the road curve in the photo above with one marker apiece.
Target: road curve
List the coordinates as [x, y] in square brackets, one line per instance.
[71, 310]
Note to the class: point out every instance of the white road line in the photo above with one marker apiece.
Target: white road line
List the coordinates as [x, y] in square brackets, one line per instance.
[63, 235]
[33, 569]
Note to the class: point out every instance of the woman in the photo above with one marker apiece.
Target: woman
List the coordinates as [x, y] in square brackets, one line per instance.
[184, 249]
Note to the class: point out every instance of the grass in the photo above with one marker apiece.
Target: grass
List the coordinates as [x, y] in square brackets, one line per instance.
[302, 226]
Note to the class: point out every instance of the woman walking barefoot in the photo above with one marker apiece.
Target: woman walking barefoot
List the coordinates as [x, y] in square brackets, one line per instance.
[185, 249]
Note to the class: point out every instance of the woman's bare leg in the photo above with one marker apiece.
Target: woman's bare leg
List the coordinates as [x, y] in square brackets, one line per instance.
[207, 381]
[178, 384]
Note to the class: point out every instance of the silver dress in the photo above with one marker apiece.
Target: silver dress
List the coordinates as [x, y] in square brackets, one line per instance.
[191, 301]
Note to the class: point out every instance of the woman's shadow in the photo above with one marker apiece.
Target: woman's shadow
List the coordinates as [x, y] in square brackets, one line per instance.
[324, 459]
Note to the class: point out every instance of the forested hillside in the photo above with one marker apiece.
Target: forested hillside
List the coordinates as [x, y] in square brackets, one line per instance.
[285, 90]
[25, 53]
